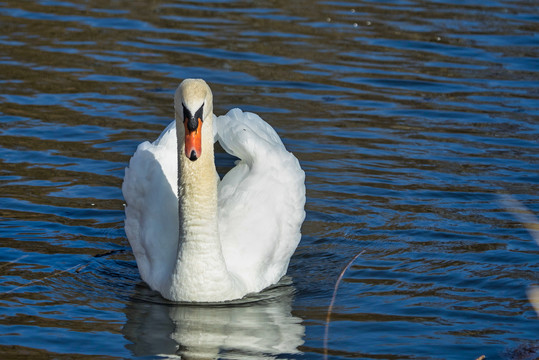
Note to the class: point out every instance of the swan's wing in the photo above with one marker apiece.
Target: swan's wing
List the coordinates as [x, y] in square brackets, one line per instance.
[261, 200]
[150, 192]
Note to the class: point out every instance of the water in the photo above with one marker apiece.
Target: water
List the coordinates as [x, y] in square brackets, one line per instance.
[410, 119]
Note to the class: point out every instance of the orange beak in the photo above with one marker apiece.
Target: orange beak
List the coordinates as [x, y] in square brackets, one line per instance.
[193, 141]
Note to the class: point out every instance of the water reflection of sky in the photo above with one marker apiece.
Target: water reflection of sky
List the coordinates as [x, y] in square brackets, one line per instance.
[408, 118]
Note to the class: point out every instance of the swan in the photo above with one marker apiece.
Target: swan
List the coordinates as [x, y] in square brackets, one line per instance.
[199, 238]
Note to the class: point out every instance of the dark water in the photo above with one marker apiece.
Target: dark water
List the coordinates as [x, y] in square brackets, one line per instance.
[410, 119]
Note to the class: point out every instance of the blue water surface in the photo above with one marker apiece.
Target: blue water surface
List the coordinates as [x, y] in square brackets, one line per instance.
[416, 124]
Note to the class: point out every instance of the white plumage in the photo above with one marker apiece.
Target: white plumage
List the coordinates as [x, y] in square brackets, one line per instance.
[219, 240]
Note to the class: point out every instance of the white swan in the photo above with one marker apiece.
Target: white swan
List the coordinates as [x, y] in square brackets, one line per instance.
[217, 240]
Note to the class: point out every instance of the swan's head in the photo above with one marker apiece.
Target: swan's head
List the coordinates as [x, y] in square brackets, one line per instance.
[193, 103]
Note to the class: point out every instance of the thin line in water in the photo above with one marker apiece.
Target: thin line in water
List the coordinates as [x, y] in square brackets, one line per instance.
[330, 307]
[43, 278]
[13, 261]
[78, 268]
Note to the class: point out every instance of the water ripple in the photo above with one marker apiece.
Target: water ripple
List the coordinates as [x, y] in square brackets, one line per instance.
[409, 119]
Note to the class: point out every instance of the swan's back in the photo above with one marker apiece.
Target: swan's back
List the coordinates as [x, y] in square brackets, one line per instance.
[261, 200]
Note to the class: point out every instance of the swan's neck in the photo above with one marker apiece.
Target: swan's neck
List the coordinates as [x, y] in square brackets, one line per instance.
[200, 273]
[197, 199]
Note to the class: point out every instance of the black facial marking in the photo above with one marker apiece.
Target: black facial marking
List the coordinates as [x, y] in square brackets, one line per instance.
[190, 120]
[198, 114]
[186, 113]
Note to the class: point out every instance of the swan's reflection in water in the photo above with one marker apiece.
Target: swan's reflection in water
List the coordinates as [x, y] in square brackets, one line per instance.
[259, 327]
